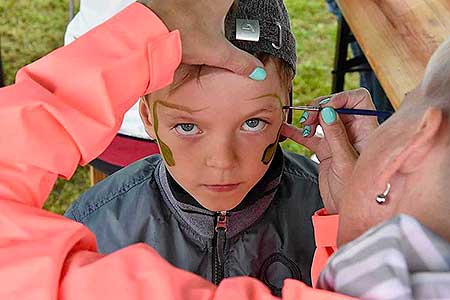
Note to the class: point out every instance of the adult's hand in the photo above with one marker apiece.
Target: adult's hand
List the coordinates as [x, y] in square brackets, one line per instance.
[345, 137]
[201, 26]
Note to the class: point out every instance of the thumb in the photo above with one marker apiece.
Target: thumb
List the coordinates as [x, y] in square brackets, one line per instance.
[336, 136]
[239, 61]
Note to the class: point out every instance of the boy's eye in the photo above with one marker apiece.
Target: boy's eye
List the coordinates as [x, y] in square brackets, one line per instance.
[187, 129]
[254, 125]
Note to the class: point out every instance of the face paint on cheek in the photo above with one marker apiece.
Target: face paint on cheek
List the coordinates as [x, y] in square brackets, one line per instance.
[165, 150]
[270, 150]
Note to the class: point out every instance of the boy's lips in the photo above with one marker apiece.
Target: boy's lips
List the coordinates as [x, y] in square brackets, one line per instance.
[222, 187]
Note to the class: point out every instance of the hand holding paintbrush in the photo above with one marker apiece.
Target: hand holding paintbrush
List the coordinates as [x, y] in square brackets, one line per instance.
[345, 137]
[352, 107]
[347, 111]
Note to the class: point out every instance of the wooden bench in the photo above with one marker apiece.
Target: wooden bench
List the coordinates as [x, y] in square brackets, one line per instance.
[398, 38]
[96, 175]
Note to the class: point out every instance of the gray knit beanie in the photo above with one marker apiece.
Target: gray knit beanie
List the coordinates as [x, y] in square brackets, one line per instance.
[262, 26]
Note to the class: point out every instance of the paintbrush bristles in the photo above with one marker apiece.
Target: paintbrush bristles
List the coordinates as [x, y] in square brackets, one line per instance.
[310, 108]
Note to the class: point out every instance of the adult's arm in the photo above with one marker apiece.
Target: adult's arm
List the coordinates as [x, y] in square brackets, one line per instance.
[63, 110]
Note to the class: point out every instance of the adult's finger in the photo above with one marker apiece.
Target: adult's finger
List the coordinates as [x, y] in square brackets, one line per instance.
[336, 136]
[201, 27]
[359, 98]
[296, 134]
[235, 60]
[312, 117]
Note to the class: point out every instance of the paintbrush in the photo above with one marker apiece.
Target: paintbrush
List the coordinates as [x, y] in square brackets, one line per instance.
[346, 111]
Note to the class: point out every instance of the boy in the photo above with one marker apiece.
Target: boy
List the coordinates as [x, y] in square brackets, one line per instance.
[223, 199]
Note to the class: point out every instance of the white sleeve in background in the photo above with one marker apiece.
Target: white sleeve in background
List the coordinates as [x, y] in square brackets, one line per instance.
[92, 13]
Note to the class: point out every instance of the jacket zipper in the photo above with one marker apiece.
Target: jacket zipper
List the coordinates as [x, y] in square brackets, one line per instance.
[219, 247]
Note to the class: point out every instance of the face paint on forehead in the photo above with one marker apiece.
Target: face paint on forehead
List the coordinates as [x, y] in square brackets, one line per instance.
[165, 150]
[283, 112]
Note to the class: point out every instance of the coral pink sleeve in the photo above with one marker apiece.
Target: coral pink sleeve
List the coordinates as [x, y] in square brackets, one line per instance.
[63, 110]
[325, 232]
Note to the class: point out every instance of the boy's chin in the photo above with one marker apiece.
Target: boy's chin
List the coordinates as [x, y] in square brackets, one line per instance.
[219, 203]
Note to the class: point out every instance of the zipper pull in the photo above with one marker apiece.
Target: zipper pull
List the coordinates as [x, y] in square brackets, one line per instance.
[221, 228]
[221, 222]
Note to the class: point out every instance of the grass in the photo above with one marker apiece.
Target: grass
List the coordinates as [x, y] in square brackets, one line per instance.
[31, 29]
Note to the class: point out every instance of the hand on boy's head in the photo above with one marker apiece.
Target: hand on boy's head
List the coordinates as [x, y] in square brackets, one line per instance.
[345, 137]
[201, 26]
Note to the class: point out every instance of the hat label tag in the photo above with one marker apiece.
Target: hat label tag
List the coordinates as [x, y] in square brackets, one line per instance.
[247, 30]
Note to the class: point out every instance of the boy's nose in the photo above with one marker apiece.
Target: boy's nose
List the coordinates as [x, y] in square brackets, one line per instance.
[222, 155]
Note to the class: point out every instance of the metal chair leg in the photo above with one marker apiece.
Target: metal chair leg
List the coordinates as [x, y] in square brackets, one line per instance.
[71, 9]
[342, 42]
[342, 65]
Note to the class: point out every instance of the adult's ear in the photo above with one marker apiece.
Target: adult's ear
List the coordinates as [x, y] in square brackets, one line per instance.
[422, 141]
[416, 146]
[144, 112]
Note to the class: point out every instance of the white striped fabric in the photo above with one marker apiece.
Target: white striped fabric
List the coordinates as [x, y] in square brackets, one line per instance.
[399, 259]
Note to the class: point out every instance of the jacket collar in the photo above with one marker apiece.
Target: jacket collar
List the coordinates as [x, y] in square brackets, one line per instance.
[243, 216]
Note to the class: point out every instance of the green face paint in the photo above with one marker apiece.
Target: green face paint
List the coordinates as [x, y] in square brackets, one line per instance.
[270, 150]
[165, 150]
[167, 154]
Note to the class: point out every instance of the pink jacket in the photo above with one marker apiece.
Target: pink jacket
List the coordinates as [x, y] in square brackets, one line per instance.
[63, 111]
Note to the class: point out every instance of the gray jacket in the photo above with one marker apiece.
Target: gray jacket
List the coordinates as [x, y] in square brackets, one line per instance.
[271, 239]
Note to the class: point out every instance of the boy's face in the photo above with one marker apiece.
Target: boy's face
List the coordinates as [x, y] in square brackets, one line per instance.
[218, 134]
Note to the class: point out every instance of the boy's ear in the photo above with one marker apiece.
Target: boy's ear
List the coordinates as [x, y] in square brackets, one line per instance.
[144, 112]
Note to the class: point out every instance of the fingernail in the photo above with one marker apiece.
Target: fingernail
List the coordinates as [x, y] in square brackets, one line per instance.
[329, 115]
[304, 117]
[258, 74]
[306, 130]
[325, 101]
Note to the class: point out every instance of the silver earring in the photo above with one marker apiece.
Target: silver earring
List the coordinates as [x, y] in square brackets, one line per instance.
[381, 198]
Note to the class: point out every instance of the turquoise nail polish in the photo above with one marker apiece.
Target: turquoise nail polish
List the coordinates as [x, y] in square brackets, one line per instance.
[325, 101]
[306, 130]
[329, 115]
[304, 117]
[258, 74]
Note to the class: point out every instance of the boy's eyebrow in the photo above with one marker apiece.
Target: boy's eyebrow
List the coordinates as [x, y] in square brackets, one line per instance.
[180, 107]
[267, 96]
